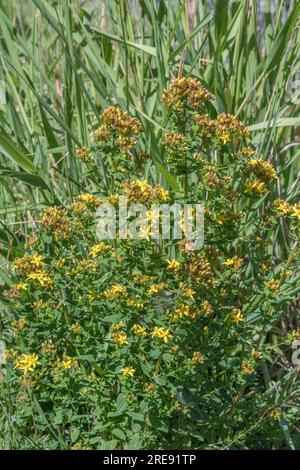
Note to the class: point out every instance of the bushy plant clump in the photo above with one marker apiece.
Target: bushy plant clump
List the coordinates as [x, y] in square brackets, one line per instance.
[145, 343]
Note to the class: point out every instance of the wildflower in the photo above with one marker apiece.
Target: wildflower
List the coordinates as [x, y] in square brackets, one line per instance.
[161, 333]
[156, 288]
[142, 192]
[119, 337]
[56, 220]
[143, 278]
[282, 206]
[128, 371]
[42, 277]
[185, 92]
[274, 414]
[198, 358]
[256, 188]
[75, 328]
[256, 354]
[139, 330]
[263, 170]
[273, 285]
[173, 265]
[60, 263]
[98, 249]
[295, 211]
[201, 270]
[236, 316]
[80, 446]
[27, 363]
[18, 325]
[230, 129]
[48, 346]
[116, 291]
[247, 368]
[205, 126]
[235, 262]
[85, 155]
[206, 308]
[39, 305]
[187, 291]
[135, 303]
[15, 291]
[90, 200]
[175, 142]
[149, 387]
[247, 151]
[119, 123]
[28, 263]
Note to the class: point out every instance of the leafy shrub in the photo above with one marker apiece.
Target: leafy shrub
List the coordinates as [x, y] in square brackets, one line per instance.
[143, 343]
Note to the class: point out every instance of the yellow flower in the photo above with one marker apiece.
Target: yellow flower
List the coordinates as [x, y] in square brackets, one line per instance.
[128, 371]
[173, 265]
[116, 291]
[187, 291]
[206, 308]
[90, 200]
[275, 414]
[263, 170]
[198, 358]
[98, 249]
[235, 262]
[161, 333]
[66, 363]
[84, 155]
[42, 277]
[75, 328]
[273, 285]
[247, 368]
[139, 330]
[256, 188]
[236, 316]
[27, 363]
[156, 288]
[295, 211]
[119, 337]
[18, 325]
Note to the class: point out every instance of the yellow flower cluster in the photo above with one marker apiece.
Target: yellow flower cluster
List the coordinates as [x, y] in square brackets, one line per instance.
[42, 277]
[161, 333]
[256, 188]
[173, 265]
[234, 263]
[284, 208]
[128, 372]
[114, 292]
[186, 92]
[205, 126]
[230, 129]
[98, 249]
[120, 123]
[175, 141]
[119, 337]
[27, 363]
[142, 192]
[85, 155]
[236, 316]
[201, 270]
[198, 358]
[28, 263]
[156, 288]
[56, 220]
[273, 285]
[139, 330]
[263, 170]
